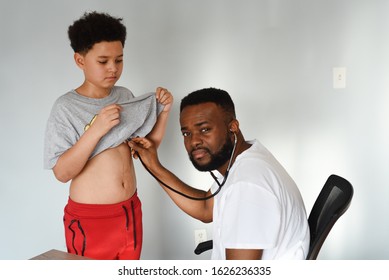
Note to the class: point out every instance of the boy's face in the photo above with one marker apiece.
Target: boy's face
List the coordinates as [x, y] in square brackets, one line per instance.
[103, 64]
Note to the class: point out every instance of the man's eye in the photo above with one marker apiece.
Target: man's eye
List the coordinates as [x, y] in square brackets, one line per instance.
[185, 134]
[203, 130]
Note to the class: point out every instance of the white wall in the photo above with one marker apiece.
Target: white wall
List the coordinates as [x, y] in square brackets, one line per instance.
[275, 57]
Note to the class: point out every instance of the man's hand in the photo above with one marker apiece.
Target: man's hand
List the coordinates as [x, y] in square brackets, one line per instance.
[165, 98]
[145, 149]
[201, 210]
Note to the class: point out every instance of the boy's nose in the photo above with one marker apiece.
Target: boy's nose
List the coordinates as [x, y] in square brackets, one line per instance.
[112, 67]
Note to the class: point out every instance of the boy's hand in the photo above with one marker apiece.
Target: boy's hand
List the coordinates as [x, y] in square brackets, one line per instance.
[107, 118]
[165, 98]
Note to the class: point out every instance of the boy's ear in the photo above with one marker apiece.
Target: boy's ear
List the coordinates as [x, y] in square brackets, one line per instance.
[79, 59]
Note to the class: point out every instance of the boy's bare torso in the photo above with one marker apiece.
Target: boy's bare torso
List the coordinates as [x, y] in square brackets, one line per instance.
[107, 178]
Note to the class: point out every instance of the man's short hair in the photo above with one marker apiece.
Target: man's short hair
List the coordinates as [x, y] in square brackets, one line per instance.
[218, 96]
[93, 28]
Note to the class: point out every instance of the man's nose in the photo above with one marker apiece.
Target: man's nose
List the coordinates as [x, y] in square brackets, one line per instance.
[196, 140]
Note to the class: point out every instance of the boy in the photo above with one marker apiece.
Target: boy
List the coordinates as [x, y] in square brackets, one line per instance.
[85, 143]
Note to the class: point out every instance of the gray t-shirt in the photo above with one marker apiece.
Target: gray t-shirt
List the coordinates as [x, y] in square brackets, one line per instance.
[72, 114]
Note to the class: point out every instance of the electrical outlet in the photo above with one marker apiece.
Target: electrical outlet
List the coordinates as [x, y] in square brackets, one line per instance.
[339, 77]
[200, 236]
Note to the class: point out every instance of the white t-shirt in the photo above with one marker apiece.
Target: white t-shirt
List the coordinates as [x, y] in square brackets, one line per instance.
[259, 207]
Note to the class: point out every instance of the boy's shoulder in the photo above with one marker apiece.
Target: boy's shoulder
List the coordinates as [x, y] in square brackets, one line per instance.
[65, 98]
[122, 90]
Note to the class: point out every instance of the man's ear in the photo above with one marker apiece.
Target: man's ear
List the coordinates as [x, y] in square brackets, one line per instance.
[234, 126]
[79, 59]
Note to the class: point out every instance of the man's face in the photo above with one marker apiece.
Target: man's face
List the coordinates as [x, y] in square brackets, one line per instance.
[206, 136]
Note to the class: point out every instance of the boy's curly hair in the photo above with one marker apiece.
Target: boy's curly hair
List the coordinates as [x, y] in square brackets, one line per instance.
[94, 28]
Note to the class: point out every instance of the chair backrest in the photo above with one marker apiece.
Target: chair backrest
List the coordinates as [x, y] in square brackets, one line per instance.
[332, 202]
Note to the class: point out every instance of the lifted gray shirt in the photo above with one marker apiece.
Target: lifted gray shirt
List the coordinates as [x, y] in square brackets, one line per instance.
[72, 114]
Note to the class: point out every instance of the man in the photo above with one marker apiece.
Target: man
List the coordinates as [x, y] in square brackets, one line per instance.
[259, 212]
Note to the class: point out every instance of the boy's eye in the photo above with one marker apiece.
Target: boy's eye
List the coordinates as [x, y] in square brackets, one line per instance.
[119, 61]
[102, 62]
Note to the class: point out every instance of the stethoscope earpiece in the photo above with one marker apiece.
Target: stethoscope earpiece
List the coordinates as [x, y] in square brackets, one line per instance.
[235, 137]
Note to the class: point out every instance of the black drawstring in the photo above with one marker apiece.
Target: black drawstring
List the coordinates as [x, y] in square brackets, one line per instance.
[126, 212]
[74, 236]
[133, 221]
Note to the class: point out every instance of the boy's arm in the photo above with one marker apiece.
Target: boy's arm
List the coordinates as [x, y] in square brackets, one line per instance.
[157, 133]
[71, 162]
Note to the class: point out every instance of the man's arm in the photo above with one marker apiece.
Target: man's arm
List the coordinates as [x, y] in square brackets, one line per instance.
[71, 162]
[243, 254]
[157, 133]
[198, 209]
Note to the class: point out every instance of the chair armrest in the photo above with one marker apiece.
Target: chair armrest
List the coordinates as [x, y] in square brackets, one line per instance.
[203, 246]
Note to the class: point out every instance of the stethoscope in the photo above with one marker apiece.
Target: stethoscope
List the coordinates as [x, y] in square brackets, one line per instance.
[213, 176]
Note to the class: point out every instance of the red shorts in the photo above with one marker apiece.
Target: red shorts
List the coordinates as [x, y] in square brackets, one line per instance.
[104, 231]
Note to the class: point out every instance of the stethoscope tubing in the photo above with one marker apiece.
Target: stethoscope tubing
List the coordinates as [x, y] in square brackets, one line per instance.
[213, 176]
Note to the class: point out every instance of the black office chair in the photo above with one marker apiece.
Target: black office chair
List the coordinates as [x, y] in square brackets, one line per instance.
[332, 202]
